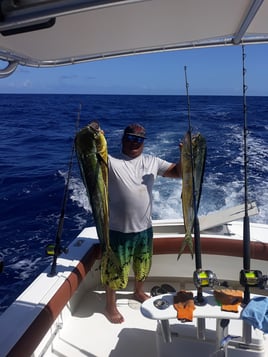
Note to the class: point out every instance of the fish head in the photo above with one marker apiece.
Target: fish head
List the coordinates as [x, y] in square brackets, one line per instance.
[90, 139]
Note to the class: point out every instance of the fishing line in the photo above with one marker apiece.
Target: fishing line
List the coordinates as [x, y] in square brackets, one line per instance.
[57, 249]
[188, 101]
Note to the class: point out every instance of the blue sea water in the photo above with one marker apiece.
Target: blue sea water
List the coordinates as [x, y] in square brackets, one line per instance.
[36, 137]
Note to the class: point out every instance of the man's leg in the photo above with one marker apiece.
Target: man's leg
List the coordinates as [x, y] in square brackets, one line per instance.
[142, 260]
[139, 293]
[111, 311]
[115, 276]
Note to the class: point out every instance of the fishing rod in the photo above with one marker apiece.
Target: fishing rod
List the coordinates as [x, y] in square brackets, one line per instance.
[57, 249]
[197, 244]
[246, 225]
[248, 277]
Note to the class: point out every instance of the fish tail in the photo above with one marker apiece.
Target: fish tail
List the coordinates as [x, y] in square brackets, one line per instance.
[188, 241]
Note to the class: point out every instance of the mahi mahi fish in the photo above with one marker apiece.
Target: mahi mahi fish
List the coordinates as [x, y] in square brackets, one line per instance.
[92, 154]
[193, 158]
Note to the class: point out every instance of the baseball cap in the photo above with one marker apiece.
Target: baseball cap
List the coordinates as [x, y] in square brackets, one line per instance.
[135, 130]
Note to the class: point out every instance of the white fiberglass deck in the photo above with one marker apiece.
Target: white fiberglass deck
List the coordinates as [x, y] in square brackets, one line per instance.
[88, 333]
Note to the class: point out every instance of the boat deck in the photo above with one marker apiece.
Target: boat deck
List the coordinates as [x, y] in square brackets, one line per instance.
[88, 332]
[85, 331]
[85, 336]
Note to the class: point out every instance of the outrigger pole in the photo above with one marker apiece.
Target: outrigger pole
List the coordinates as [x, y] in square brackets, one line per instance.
[197, 244]
[57, 249]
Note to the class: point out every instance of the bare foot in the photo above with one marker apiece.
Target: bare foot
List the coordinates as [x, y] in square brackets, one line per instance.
[141, 296]
[114, 316]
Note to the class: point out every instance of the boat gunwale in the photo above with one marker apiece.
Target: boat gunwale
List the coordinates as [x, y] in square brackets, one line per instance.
[214, 246]
[49, 313]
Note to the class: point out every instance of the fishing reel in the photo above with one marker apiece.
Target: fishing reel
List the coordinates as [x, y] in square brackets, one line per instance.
[253, 278]
[204, 278]
[53, 250]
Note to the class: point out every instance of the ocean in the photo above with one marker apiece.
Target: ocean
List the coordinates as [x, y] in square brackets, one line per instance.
[36, 138]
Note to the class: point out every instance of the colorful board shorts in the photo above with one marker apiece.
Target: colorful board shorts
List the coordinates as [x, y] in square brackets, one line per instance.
[127, 247]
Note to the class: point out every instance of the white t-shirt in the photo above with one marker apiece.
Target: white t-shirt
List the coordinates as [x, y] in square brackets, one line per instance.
[130, 191]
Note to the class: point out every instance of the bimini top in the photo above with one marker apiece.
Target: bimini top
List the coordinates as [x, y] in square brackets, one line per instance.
[42, 33]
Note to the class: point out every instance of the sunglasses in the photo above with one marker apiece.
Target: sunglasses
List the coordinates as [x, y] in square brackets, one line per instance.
[134, 138]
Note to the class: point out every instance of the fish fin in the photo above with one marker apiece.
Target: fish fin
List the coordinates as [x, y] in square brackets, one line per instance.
[182, 249]
[188, 241]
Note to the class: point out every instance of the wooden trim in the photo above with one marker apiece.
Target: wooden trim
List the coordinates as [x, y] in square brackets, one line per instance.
[214, 246]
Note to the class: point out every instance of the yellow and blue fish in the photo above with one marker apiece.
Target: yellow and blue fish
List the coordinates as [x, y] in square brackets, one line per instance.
[92, 154]
[193, 157]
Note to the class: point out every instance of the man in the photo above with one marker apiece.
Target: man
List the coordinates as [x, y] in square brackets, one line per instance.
[131, 178]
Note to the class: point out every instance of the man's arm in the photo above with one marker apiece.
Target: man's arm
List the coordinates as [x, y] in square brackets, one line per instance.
[174, 171]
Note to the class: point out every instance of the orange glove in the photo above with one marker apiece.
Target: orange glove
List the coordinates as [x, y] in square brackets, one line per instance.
[229, 299]
[184, 305]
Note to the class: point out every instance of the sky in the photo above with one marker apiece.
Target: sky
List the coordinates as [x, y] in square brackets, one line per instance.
[210, 71]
